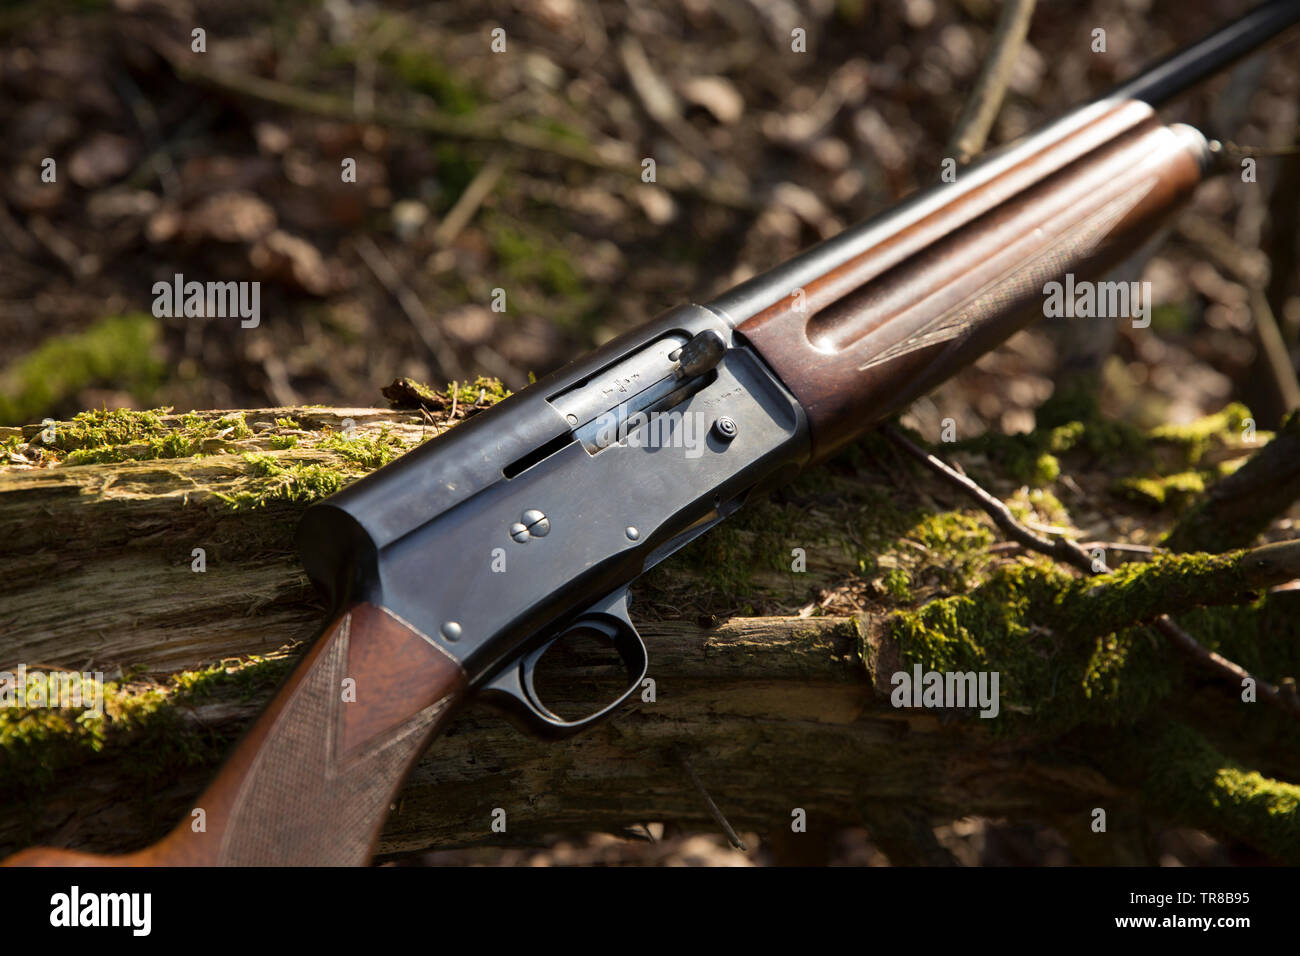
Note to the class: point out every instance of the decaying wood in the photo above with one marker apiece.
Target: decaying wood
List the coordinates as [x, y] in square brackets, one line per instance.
[776, 711]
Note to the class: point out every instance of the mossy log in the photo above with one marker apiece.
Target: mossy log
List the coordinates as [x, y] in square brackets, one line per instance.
[1243, 504]
[774, 641]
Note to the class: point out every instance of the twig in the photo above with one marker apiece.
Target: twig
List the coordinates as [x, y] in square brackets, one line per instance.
[277, 377]
[1260, 150]
[60, 246]
[146, 118]
[17, 237]
[521, 135]
[1121, 547]
[1071, 553]
[201, 117]
[732, 837]
[662, 104]
[1251, 269]
[982, 107]
[1285, 698]
[1062, 549]
[462, 212]
[1283, 228]
[1276, 355]
[425, 327]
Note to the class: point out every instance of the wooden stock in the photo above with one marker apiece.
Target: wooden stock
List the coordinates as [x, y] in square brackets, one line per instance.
[311, 783]
[877, 331]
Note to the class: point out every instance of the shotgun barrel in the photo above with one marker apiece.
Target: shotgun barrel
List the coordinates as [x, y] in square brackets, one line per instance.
[865, 322]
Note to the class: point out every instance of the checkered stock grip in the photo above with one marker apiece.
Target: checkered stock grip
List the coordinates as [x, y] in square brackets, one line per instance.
[312, 781]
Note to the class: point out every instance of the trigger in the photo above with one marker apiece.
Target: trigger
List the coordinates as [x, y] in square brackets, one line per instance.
[513, 688]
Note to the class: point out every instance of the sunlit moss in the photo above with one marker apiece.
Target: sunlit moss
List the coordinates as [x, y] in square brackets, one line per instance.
[141, 723]
[285, 481]
[1069, 649]
[124, 435]
[1166, 490]
[120, 351]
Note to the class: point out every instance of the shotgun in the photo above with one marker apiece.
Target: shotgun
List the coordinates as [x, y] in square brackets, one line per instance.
[563, 494]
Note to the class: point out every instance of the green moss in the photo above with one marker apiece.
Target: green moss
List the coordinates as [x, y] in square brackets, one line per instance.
[1158, 465]
[119, 351]
[425, 73]
[1078, 402]
[490, 390]
[366, 450]
[1263, 637]
[1196, 438]
[1172, 319]
[852, 12]
[107, 427]
[38, 742]
[1049, 676]
[1183, 777]
[1215, 525]
[1070, 421]
[1038, 505]
[951, 532]
[456, 170]
[1175, 490]
[424, 392]
[1032, 458]
[956, 547]
[1099, 437]
[1047, 468]
[483, 391]
[294, 481]
[122, 435]
[1068, 649]
[284, 442]
[244, 681]
[288, 423]
[898, 585]
[722, 560]
[560, 130]
[527, 258]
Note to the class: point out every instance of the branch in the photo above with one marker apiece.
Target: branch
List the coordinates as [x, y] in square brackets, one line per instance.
[982, 107]
[1252, 270]
[607, 157]
[1271, 564]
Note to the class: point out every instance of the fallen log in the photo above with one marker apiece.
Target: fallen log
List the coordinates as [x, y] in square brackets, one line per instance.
[157, 549]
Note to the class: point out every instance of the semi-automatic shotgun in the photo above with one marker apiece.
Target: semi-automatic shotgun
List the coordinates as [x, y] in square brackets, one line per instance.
[783, 370]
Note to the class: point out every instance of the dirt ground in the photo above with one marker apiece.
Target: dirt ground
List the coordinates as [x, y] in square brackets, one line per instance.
[479, 171]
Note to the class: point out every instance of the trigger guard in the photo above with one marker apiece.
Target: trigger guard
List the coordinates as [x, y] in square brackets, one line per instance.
[514, 686]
